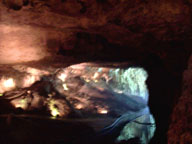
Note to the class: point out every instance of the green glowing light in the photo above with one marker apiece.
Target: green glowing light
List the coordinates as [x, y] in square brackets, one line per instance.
[1, 94]
[53, 109]
[54, 112]
[21, 103]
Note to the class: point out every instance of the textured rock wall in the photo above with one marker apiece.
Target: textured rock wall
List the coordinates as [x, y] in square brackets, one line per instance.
[95, 27]
[180, 130]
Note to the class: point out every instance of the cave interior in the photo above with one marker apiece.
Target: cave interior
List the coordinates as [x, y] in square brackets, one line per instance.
[95, 71]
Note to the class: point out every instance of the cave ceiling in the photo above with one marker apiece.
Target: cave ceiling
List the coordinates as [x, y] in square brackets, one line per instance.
[35, 29]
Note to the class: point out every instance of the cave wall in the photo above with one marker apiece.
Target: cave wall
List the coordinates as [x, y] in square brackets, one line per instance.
[181, 127]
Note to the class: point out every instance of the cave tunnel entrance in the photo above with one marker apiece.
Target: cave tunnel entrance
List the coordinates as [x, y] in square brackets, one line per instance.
[115, 94]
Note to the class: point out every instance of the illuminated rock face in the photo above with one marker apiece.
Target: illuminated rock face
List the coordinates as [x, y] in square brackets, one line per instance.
[21, 44]
[96, 83]
[20, 76]
[139, 130]
[85, 79]
[130, 81]
[88, 90]
[6, 84]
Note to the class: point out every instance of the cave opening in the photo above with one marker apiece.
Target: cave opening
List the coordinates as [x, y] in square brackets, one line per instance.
[111, 97]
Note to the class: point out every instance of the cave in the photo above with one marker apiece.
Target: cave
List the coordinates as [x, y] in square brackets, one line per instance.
[95, 71]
